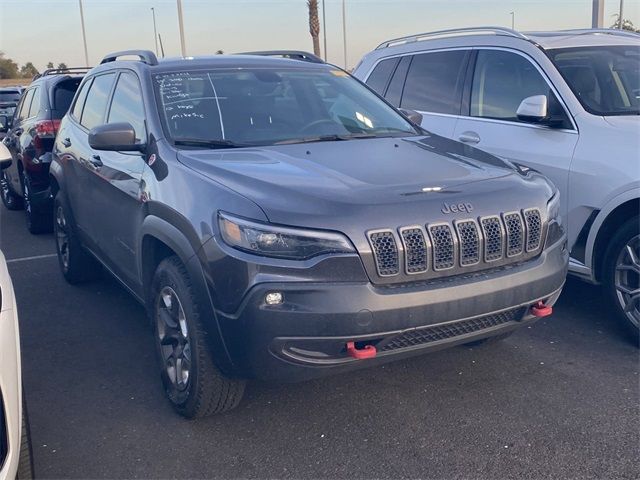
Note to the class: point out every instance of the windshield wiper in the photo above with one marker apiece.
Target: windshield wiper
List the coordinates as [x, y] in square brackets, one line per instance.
[218, 143]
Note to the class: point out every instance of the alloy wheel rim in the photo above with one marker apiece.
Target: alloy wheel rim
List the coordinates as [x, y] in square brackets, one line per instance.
[62, 238]
[627, 280]
[173, 335]
[27, 201]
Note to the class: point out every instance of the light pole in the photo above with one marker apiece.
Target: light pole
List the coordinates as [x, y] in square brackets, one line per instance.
[183, 49]
[597, 14]
[620, 14]
[84, 35]
[155, 30]
[324, 29]
[513, 20]
[344, 32]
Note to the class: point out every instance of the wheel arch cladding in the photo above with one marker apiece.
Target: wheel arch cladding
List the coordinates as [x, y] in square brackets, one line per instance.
[622, 213]
[159, 240]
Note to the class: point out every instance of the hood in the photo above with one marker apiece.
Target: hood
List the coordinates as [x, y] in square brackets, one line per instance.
[626, 123]
[329, 184]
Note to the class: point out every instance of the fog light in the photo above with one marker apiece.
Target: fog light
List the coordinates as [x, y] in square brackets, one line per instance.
[273, 298]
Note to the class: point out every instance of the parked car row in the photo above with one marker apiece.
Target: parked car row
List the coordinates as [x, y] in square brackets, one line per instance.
[279, 219]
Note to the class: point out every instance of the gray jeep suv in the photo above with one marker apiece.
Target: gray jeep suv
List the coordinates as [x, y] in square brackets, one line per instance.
[280, 220]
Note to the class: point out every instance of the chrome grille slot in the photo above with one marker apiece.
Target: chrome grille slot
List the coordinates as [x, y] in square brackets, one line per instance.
[493, 234]
[443, 246]
[469, 239]
[416, 253]
[515, 233]
[385, 252]
[533, 222]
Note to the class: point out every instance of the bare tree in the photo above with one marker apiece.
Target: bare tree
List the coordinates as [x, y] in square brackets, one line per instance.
[626, 24]
[314, 25]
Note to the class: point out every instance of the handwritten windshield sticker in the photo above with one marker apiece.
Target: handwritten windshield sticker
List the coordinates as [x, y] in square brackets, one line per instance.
[339, 73]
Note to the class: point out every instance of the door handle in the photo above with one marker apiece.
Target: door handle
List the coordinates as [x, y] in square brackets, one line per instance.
[469, 137]
[66, 142]
[95, 161]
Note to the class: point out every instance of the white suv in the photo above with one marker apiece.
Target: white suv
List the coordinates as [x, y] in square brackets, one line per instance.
[565, 103]
[15, 447]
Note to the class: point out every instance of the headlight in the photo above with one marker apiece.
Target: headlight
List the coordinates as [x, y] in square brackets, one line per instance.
[554, 231]
[280, 242]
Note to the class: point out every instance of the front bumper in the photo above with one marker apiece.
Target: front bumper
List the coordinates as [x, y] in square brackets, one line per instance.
[305, 337]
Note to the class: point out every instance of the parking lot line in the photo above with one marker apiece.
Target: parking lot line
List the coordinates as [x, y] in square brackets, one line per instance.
[35, 257]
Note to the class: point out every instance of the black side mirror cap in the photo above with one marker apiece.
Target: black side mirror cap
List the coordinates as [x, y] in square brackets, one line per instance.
[119, 137]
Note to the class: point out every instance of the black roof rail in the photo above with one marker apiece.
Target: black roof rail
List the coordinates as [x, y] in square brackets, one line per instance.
[292, 54]
[145, 56]
[62, 71]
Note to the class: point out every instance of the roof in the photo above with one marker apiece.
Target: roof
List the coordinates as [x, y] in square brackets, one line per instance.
[583, 38]
[239, 61]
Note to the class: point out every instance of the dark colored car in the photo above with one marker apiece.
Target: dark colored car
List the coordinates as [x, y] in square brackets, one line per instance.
[31, 132]
[280, 220]
[9, 98]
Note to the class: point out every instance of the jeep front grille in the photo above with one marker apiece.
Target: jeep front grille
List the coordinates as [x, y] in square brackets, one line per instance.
[385, 251]
[465, 245]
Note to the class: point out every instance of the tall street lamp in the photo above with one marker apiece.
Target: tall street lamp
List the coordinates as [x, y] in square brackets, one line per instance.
[155, 30]
[84, 35]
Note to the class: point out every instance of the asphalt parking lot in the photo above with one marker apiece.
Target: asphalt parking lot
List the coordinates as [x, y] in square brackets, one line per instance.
[557, 400]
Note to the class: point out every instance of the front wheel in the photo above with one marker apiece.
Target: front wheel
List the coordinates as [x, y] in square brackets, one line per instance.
[622, 275]
[192, 382]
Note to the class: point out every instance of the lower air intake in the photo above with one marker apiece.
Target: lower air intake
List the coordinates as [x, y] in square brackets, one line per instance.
[446, 331]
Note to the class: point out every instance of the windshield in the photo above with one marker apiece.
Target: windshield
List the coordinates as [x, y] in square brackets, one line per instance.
[242, 107]
[606, 80]
[9, 97]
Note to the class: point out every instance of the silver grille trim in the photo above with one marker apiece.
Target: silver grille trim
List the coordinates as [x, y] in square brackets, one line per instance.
[458, 247]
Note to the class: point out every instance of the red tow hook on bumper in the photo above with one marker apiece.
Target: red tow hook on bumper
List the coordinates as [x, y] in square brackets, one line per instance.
[369, 351]
[541, 310]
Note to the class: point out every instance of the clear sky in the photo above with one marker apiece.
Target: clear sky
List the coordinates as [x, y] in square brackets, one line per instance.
[41, 31]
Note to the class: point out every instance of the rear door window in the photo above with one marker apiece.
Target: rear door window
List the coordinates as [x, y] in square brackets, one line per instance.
[396, 86]
[95, 107]
[79, 103]
[35, 103]
[62, 96]
[23, 112]
[379, 78]
[435, 82]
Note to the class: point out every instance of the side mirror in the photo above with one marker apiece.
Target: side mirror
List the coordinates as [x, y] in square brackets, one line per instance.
[4, 123]
[119, 137]
[533, 109]
[412, 115]
[5, 156]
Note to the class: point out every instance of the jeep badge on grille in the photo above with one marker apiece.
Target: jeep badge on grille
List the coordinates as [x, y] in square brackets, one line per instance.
[457, 208]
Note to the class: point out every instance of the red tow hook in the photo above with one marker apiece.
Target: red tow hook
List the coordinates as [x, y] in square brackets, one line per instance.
[541, 310]
[369, 351]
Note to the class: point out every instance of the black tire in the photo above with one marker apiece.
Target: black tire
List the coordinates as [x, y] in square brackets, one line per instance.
[490, 340]
[39, 220]
[25, 461]
[616, 280]
[10, 199]
[76, 264]
[181, 347]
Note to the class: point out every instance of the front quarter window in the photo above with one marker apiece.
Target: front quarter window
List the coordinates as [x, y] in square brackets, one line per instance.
[605, 79]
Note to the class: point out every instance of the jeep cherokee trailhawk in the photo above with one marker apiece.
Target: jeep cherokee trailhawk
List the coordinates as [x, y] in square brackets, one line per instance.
[280, 220]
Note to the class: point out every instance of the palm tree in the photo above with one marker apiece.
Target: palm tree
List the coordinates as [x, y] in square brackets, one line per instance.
[314, 25]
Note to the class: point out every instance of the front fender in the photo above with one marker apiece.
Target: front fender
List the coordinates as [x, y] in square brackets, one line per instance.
[610, 206]
[181, 242]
